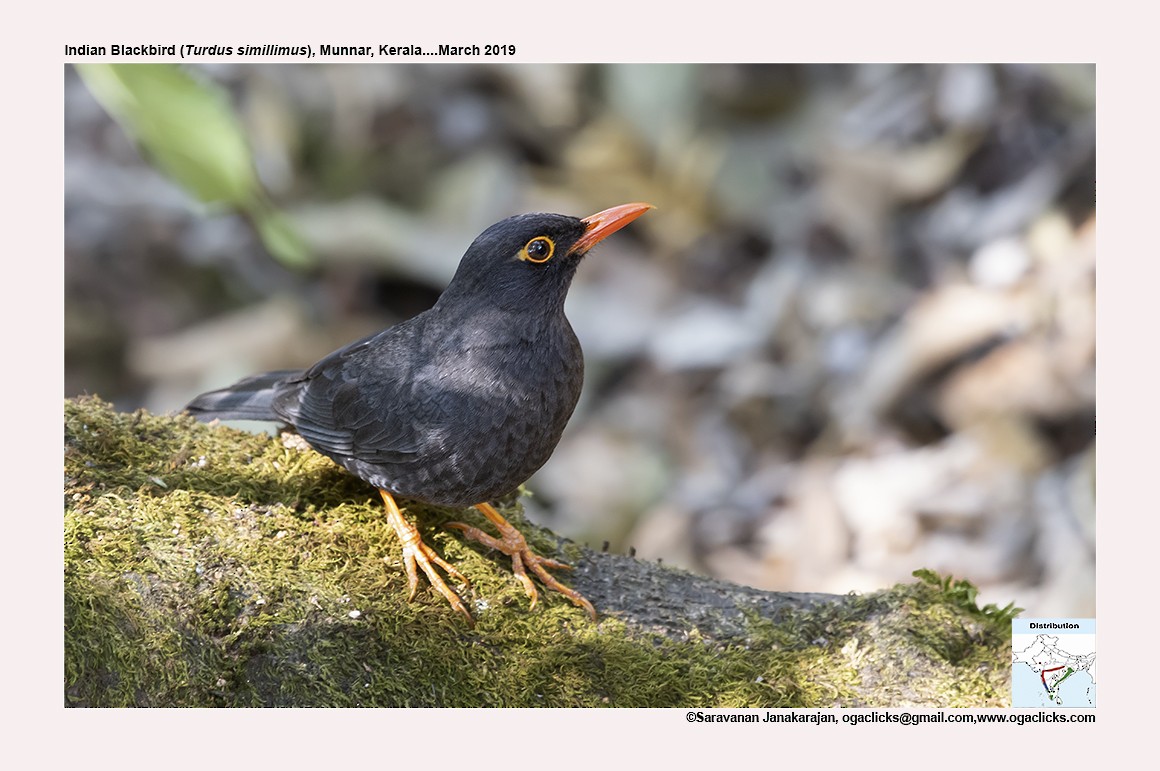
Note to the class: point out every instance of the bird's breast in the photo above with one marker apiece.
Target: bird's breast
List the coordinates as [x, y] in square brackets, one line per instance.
[510, 376]
[498, 406]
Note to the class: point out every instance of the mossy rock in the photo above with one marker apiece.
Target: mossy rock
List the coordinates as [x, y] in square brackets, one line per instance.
[205, 566]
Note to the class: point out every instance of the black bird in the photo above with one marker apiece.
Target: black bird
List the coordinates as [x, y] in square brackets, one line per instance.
[459, 405]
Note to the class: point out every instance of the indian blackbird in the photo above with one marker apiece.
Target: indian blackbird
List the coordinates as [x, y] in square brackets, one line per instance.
[459, 405]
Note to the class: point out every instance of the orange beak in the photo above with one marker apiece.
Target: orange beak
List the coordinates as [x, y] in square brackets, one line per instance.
[603, 224]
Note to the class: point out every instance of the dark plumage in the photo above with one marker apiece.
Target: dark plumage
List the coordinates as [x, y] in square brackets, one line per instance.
[460, 404]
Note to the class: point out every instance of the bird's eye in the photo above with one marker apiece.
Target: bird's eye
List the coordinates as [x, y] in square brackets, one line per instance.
[539, 249]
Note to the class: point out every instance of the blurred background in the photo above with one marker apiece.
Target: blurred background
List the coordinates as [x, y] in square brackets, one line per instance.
[856, 337]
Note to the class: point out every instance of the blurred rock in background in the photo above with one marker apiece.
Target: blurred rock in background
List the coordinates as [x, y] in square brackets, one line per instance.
[856, 338]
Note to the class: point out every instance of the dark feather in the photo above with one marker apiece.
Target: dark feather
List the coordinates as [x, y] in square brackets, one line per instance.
[248, 399]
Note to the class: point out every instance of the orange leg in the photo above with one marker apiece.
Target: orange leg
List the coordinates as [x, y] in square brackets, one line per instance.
[511, 542]
[417, 553]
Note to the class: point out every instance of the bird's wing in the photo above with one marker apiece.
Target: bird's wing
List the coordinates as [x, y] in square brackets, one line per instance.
[347, 404]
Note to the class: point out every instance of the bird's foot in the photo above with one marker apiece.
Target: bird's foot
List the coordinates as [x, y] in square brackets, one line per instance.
[512, 543]
[417, 554]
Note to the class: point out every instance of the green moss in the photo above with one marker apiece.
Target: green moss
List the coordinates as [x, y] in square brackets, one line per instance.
[209, 567]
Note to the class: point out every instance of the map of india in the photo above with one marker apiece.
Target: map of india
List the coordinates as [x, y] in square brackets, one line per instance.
[1053, 663]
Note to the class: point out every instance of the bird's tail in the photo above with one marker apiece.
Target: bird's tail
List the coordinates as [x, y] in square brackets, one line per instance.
[249, 399]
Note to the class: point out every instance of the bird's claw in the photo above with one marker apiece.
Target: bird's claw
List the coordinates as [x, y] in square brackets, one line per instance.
[512, 543]
[417, 554]
[422, 556]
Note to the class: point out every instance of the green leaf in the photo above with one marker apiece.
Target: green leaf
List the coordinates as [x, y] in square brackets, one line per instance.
[185, 126]
[280, 239]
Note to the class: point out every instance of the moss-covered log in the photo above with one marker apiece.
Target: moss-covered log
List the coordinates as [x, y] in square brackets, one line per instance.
[209, 567]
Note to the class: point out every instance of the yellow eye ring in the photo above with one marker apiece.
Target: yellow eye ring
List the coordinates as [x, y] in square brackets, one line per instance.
[539, 250]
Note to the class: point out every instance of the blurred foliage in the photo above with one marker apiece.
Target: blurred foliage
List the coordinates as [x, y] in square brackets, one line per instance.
[187, 128]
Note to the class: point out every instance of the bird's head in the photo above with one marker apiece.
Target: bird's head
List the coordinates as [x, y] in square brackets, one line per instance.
[529, 260]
